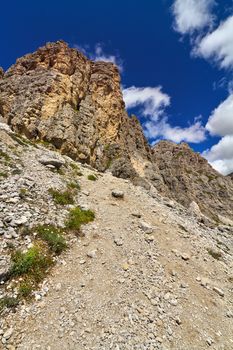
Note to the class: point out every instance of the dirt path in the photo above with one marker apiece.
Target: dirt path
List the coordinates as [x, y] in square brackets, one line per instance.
[121, 288]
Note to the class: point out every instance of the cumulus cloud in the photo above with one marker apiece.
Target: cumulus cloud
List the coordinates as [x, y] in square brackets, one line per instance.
[221, 155]
[218, 45]
[152, 103]
[215, 45]
[220, 123]
[194, 133]
[221, 120]
[192, 15]
[151, 100]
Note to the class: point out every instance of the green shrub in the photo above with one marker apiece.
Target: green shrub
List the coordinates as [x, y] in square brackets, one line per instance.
[77, 217]
[53, 237]
[92, 177]
[62, 198]
[33, 263]
[74, 166]
[73, 186]
[25, 288]
[8, 302]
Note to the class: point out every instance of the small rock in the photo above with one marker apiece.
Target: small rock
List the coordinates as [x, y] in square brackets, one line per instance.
[21, 221]
[178, 321]
[229, 314]
[185, 256]
[147, 228]
[86, 193]
[204, 282]
[194, 209]
[159, 340]
[218, 291]
[82, 261]
[173, 302]
[38, 297]
[8, 333]
[209, 341]
[92, 254]
[118, 241]
[58, 287]
[56, 162]
[117, 194]
[125, 267]
[136, 215]
[150, 238]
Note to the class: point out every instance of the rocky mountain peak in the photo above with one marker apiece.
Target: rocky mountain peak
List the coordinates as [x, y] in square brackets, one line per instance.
[58, 95]
[189, 177]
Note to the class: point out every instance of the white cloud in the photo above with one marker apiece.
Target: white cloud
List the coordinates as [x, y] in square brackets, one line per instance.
[218, 45]
[153, 102]
[221, 155]
[191, 15]
[194, 133]
[221, 123]
[221, 120]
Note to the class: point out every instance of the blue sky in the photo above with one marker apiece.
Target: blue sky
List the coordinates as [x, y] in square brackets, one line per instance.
[160, 43]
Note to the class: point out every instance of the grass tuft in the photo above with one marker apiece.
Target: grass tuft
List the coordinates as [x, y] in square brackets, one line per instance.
[78, 217]
[62, 198]
[74, 166]
[74, 186]
[25, 288]
[32, 263]
[92, 177]
[8, 302]
[53, 237]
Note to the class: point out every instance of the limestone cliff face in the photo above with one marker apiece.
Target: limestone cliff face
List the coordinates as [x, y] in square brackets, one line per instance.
[189, 177]
[56, 94]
